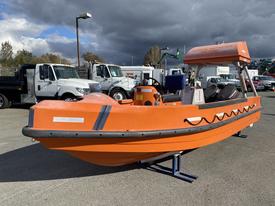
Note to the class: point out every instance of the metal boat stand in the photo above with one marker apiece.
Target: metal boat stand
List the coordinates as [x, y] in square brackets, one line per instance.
[240, 135]
[153, 164]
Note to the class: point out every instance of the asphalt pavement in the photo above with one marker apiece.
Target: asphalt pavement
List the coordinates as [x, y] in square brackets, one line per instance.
[236, 171]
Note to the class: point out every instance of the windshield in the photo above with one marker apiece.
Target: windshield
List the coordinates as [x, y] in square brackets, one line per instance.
[115, 71]
[65, 72]
[228, 76]
[215, 80]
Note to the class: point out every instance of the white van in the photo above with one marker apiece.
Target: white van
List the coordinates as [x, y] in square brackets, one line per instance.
[139, 73]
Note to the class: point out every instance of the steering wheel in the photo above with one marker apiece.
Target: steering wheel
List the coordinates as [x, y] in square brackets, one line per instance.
[155, 82]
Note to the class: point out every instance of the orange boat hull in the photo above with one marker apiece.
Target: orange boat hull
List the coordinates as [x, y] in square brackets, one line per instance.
[124, 134]
[135, 149]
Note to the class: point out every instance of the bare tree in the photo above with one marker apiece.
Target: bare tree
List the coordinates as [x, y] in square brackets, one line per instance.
[152, 56]
[90, 57]
[6, 54]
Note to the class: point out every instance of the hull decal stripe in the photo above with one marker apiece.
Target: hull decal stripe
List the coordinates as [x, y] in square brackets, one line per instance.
[31, 117]
[102, 117]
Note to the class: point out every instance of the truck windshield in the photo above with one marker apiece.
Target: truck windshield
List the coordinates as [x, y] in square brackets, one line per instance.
[215, 80]
[228, 76]
[115, 71]
[65, 72]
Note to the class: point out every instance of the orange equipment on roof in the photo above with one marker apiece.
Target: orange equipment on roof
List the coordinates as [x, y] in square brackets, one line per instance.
[220, 53]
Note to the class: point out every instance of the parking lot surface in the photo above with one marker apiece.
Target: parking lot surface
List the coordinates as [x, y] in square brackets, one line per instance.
[236, 171]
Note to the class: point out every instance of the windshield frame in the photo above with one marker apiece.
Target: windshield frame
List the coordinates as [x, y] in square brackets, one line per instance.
[60, 74]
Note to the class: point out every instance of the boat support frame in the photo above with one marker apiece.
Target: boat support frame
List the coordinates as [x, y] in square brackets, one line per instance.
[153, 164]
[240, 135]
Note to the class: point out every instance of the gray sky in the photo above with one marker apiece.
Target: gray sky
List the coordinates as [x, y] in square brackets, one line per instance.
[121, 29]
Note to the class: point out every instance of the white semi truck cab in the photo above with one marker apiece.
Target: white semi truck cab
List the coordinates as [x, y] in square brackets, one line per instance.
[61, 81]
[112, 80]
[44, 81]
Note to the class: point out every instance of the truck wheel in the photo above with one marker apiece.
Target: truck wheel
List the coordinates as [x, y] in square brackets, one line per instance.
[4, 102]
[68, 97]
[118, 94]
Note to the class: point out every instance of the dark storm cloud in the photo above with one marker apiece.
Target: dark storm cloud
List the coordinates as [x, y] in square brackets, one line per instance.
[66, 49]
[126, 28]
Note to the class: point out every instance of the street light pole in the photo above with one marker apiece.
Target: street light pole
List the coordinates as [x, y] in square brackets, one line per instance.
[82, 16]
[77, 42]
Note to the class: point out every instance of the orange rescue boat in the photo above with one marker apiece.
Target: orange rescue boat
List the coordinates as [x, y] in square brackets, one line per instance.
[103, 131]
